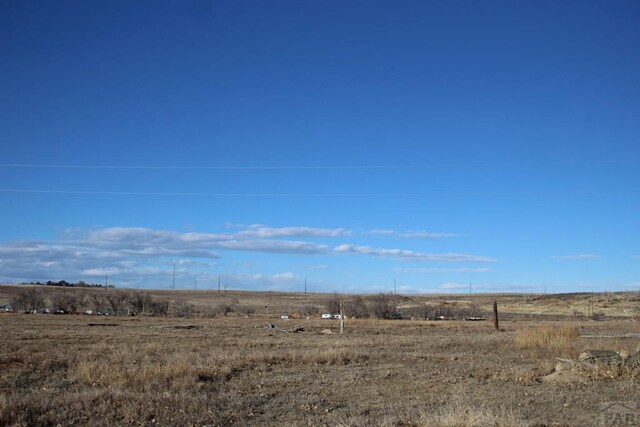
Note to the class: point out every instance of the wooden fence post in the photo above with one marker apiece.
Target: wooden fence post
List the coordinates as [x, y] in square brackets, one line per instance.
[341, 317]
[495, 315]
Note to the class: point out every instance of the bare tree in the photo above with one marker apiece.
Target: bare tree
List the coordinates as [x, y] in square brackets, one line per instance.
[159, 308]
[333, 304]
[67, 301]
[356, 307]
[29, 299]
[97, 301]
[384, 306]
[117, 299]
[140, 301]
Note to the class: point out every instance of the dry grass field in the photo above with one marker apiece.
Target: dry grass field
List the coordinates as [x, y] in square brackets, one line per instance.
[234, 370]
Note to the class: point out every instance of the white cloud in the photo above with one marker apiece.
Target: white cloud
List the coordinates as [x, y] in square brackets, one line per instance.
[139, 256]
[144, 241]
[410, 234]
[131, 253]
[381, 232]
[262, 231]
[577, 257]
[284, 276]
[443, 270]
[452, 286]
[411, 255]
[274, 246]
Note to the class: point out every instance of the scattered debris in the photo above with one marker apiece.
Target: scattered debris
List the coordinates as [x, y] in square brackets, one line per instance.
[627, 335]
[607, 357]
[295, 328]
[597, 364]
[179, 327]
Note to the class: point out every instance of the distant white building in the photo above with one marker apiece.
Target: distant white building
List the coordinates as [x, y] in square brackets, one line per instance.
[330, 316]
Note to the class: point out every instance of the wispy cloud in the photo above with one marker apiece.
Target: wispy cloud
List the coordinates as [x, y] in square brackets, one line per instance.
[577, 257]
[443, 270]
[453, 286]
[198, 245]
[411, 255]
[139, 256]
[131, 253]
[409, 234]
[262, 231]
[456, 287]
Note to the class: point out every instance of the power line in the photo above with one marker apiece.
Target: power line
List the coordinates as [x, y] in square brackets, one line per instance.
[300, 167]
[205, 194]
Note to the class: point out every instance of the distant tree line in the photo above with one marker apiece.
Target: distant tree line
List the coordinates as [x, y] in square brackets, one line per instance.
[112, 302]
[79, 284]
[387, 306]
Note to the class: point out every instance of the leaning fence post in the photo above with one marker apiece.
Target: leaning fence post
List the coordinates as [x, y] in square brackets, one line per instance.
[341, 317]
[495, 315]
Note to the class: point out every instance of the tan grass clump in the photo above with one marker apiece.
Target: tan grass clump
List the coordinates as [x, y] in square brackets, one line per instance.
[549, 338]
[460, 414]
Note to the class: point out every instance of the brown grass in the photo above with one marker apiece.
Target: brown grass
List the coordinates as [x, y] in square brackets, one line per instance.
[58, 370]
[556, 339]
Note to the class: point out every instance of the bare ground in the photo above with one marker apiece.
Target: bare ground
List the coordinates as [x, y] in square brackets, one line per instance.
[58, 370]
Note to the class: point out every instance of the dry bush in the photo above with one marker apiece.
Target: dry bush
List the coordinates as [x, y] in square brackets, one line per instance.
[180, 375]
[549, 339]
[459, 414]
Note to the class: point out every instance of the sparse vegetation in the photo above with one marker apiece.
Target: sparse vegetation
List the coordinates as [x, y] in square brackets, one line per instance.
[230, 369]
[548, 339]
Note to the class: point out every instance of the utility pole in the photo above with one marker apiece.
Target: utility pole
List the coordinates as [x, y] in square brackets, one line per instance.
[218, 283]
[395, 290]
[341, 317]
[173, 284]
[305, 285]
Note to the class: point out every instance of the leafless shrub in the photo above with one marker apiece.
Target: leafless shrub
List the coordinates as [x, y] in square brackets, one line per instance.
[117, 299]
[140, 301]
[245, 309]
[356, 307]
[384, 306]
[97, 301]
[67, 301]
[423, 311]
[310, 310]
[333, 303]
[183, 309]
[159, 308]
[222, 309]
[29, 299]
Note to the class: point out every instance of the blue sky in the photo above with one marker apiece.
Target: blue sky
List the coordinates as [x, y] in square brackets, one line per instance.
[436, 144]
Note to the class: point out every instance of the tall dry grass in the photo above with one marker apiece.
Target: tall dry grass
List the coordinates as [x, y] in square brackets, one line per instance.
[463, 415]
[558, 340]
